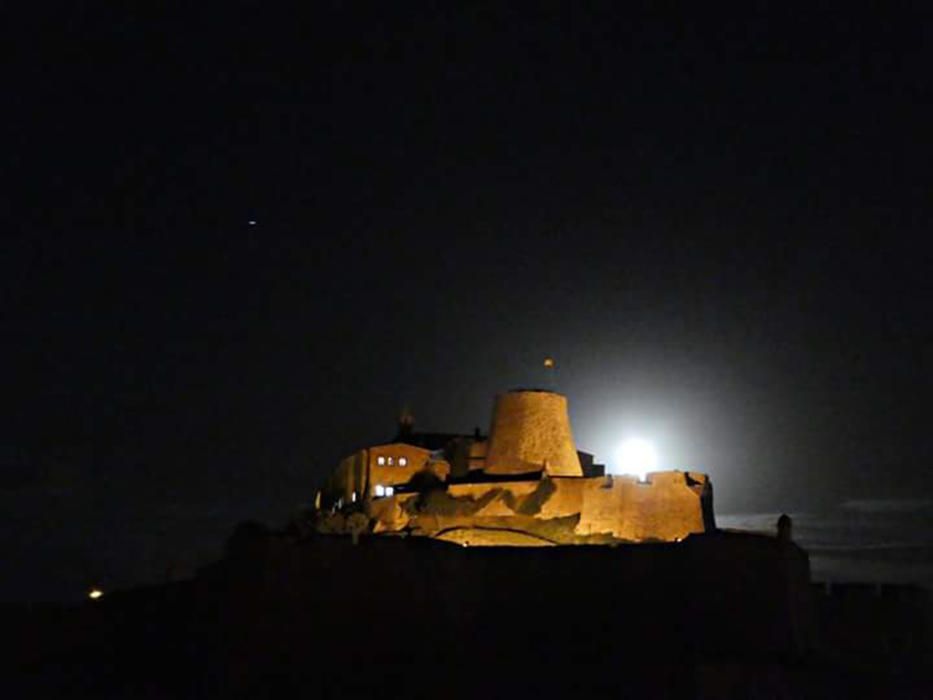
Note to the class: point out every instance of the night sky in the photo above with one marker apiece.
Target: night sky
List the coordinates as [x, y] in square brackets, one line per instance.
[717, 222]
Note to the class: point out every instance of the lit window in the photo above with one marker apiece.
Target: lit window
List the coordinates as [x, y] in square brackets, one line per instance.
[389, 490]
[402, 461]
[353, 497]
[380, 490]
[95, 593]
[390, 461]
[380, 460]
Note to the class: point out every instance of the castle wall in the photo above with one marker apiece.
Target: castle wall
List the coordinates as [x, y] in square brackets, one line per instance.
[389, 514]
[349, 477]
[478, 449]
[665, 508]
[485, 537]
[360, 472]
[416, 460]
[530, 432]
[466, 454]
[668, 507]
[518, 488]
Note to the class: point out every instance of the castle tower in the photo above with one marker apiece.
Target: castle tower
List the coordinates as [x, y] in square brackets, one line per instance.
[531, 431]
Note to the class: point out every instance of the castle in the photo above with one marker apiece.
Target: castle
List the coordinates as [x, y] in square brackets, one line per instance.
[525, 484]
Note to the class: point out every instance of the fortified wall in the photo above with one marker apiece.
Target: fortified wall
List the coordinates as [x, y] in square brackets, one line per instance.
[525, 486]
[558, 510]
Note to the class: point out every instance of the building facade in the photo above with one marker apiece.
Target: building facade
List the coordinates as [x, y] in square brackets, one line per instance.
[526, 484]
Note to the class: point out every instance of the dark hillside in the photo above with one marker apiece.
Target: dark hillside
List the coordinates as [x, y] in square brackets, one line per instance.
[408, 617]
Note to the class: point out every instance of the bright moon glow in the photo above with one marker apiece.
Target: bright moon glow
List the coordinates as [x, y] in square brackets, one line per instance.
[637, 457]
[95, 593]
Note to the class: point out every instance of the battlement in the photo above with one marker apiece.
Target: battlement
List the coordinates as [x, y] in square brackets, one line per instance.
[526, 486]
[667, 507]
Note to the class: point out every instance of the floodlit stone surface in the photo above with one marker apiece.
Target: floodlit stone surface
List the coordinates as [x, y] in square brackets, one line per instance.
[482, 537]
[530, 432]
[386, 465]
[529, 489]
[666, 508]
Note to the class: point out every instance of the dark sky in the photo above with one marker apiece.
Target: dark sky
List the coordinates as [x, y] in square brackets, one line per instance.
[717, 222]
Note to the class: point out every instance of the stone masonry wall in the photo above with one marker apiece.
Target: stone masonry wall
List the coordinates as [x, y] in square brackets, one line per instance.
[668, 507]
[531, 431]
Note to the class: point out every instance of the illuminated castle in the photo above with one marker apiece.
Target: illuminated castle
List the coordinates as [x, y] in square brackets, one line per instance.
[526, 484]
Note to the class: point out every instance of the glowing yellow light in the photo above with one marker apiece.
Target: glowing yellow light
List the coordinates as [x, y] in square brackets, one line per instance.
[549, 362]
[95, 593]
[637, 457]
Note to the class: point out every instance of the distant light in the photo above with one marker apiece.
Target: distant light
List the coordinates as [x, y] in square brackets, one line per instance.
[252, 222]
[389, 490]
[380, 490]
[637, 457]
[549, 362]
[95, 593]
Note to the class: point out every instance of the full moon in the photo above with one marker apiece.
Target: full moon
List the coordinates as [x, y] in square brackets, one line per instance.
[637, 457]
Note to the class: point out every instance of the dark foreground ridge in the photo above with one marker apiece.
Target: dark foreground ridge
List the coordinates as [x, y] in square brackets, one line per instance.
[721, 614]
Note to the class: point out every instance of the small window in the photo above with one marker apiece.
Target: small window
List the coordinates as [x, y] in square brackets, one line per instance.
[380, 460]
[391, 461]
[403, 461]
[389, 490]
[379, 490]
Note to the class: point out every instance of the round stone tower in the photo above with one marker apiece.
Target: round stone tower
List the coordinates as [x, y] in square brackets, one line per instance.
[530, 432]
